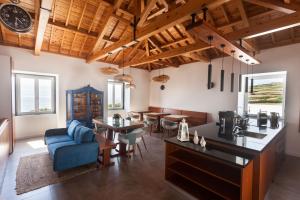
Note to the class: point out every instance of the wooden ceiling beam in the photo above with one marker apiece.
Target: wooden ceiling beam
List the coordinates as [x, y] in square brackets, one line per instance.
[276, 5]
[82, 14]
[158, 24]
[243, 12]
[95, 15]
[146, 12]
[105, 26]
[165, 63]
[201, 30]
[199, 46]
[197, 57]
[42, 24]
[69, 12]
[270, 26]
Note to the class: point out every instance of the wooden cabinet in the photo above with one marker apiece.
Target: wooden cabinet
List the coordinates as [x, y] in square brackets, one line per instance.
[208, 177]
[84, 104]
[4, 147]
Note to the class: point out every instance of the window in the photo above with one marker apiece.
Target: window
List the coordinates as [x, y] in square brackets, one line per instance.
[35, 94]
[269, 93]
[115, 95]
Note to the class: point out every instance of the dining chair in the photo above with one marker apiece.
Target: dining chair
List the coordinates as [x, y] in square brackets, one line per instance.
[150, 122]
[132, 116]
[168, 127]
[101, 130]
[132, 139]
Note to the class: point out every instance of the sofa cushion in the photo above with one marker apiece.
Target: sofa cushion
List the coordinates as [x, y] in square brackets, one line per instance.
[57, 138]
[72, 127]
[83, 135]
[54, 146]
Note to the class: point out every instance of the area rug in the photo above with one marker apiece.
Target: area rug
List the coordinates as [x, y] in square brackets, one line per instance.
[36, 171]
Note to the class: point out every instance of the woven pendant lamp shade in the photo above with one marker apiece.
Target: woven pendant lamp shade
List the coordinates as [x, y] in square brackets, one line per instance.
[161, 78]
[109, 70]
[131, 85]
[124, 78]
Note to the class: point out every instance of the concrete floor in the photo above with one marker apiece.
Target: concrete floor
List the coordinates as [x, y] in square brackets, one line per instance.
[130, 178]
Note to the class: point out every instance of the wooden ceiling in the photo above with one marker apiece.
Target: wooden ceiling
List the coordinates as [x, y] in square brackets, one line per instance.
[103, 30]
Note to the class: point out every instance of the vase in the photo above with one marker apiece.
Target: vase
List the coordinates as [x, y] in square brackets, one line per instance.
[196, 138]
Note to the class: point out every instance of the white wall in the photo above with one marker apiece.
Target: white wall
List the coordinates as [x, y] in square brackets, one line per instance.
[72, 73]
[187, 89]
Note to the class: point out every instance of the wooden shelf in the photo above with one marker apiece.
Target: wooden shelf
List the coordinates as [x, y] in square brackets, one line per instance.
[207, 182]
[210, 167]
[192, 188]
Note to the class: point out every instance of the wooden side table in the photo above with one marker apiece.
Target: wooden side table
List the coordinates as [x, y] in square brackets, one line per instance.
[106, 146]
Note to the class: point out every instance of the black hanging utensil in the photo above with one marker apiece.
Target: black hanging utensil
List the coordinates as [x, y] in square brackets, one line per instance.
[252, 81]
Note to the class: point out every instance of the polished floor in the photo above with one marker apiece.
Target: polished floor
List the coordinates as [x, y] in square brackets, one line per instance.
[132, 178]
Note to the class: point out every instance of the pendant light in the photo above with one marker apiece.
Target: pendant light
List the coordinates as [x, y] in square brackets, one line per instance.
[222, 70]
[109, 70]
[240, 75]
[123, 77]
[209, 83]
[252, 80]
[232, 73]
[247, 79]
[130, 85]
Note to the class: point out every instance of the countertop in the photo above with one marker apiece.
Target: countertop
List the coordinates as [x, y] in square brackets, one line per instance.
[211, 132]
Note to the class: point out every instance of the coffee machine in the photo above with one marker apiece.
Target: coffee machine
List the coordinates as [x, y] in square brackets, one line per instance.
[262, 119]
[226, 122]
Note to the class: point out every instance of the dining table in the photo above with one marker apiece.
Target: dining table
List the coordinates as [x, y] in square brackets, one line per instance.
[176, 118]
[117, 125]
[141, 113]
[158, 116]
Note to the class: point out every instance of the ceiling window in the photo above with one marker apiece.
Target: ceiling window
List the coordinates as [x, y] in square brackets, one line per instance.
[35, 94]
[268, 95]
[115, 95]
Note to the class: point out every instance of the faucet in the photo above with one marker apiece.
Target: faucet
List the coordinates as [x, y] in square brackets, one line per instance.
[236, 129]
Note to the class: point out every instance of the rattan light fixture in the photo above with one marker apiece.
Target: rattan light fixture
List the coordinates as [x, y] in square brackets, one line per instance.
[123, 77]
[109, 70]
[161, 78]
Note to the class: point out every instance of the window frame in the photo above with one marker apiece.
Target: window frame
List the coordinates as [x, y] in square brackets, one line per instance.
[113, 93]
[267, 75]
[36, 78]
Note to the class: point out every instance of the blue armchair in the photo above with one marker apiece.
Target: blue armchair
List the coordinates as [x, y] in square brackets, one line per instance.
[71, 147]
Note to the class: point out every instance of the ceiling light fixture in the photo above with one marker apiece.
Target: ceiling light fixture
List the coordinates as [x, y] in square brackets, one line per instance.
[232, 73]
[222, 70]
[123, 77]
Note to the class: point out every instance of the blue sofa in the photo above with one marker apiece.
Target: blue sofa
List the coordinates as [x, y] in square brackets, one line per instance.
[71, 147]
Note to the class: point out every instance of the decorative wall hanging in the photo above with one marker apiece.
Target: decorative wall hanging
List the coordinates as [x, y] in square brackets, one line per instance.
[15, 18]
[240, 75]
[232, 73]
[222, 70]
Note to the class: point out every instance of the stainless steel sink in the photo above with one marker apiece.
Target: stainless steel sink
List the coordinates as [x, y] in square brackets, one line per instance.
[251, 134]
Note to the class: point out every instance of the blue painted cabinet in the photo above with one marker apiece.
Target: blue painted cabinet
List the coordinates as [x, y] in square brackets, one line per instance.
[84, 104]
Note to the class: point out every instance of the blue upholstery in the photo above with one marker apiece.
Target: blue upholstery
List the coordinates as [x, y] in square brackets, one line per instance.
[83, 135]
[66, 152]
[72, 127]
[57, 139]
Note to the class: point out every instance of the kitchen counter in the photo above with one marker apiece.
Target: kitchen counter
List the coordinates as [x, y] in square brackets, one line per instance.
[212, 132]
